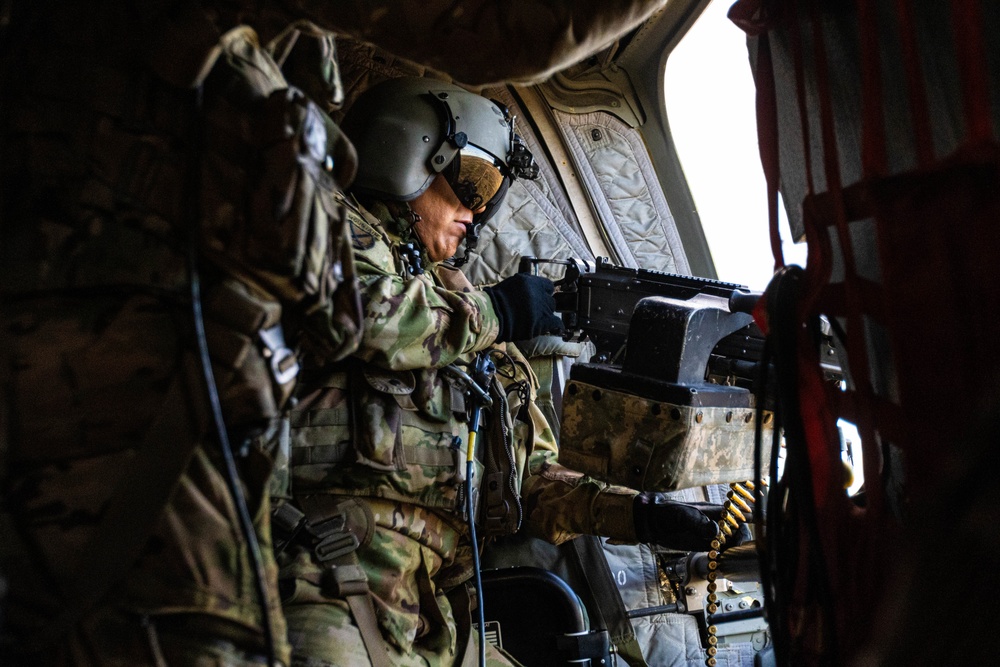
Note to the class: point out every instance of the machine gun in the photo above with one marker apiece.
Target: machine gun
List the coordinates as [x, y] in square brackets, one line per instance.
[686, 318]
[667, 401]
[670, 399]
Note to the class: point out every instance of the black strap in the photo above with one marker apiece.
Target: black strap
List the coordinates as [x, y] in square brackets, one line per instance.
[609, 607]
[334, 529]
[134, 507]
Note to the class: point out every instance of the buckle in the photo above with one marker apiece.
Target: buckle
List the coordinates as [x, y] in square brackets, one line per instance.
[333, 539]
[278, 355]
[343, 581]
[335, 546]
[287, 522]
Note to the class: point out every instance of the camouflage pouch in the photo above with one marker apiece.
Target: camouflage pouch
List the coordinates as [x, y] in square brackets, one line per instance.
[654, 445]
[274, 163]
[500, 511]
[293, 207]
[378, 401]
[403, 416]
[307, 55]
[254, 367]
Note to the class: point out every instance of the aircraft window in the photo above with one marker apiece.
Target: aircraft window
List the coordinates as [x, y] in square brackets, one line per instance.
[850, 452]
[710, 107]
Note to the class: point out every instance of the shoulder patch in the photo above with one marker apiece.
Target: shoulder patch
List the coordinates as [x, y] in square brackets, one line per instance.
[361, 237]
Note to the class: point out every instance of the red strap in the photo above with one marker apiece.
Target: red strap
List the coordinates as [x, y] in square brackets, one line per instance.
[923, 139]
[767, 141]
[967, 23]
[750, 17]
[873, 157]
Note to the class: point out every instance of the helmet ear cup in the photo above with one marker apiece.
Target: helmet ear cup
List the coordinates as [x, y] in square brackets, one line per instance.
[397, 129]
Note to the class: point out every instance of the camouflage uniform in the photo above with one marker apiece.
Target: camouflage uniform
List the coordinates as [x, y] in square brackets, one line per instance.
[400, 458]
[112, 166]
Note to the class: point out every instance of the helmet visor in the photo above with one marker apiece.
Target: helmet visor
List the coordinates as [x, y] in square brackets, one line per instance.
[476, 177]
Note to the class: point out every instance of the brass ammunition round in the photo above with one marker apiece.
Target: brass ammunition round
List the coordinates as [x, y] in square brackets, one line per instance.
[741, 504]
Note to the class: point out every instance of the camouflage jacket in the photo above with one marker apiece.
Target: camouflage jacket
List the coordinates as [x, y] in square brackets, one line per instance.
[410, 419]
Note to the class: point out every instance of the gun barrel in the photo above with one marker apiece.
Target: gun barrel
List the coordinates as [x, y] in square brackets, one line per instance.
[743, 302]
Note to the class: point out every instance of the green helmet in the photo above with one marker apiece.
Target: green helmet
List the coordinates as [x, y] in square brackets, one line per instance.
[409, 130]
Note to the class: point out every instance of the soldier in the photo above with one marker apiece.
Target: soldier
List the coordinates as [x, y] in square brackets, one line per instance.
[374, 544]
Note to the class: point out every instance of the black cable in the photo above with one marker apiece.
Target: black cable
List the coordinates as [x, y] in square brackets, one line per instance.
[797, 478]
[231, 473]
[482, 374]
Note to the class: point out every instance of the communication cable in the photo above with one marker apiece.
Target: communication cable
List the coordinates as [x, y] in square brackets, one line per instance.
[482, 375]
[231, 474]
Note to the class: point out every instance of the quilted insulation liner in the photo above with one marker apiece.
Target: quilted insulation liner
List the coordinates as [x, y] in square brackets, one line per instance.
[612, 161]
[534, 219]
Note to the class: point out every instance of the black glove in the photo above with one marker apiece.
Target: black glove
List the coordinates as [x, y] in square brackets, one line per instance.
[525, 307]
[739, 536]
[680, 526]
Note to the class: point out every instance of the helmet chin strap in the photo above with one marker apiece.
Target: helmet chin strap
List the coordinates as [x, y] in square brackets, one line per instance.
[471, 241]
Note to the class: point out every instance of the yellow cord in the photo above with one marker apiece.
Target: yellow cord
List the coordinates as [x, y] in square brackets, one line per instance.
[470, 453]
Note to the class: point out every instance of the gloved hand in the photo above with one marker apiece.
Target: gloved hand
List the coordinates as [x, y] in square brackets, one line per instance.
[675, 525]
[525, 307]
[739, 535]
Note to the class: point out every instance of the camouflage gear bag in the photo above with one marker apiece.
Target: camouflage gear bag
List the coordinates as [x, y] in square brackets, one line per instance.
[110, 171]
[653, 445]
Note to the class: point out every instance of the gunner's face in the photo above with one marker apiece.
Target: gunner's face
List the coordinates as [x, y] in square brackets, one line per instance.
[443, 220]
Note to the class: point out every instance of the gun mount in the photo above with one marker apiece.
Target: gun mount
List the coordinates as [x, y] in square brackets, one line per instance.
[666, 402]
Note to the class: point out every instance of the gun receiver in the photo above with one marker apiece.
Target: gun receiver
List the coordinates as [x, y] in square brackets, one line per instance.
[686, 329]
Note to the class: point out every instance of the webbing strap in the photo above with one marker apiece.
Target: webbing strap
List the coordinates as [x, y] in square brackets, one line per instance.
[967, 27]
[466, 654]
[748, 16]
[609, 607]
[363, 610]
[330, 520]
[440, 457]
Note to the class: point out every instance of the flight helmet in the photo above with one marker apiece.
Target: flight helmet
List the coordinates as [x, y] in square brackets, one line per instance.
[409, 130]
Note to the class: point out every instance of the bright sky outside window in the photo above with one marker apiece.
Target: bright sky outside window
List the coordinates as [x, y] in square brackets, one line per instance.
[710, 107]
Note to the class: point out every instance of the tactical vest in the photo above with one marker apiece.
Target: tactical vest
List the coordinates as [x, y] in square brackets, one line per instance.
[401, 435]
